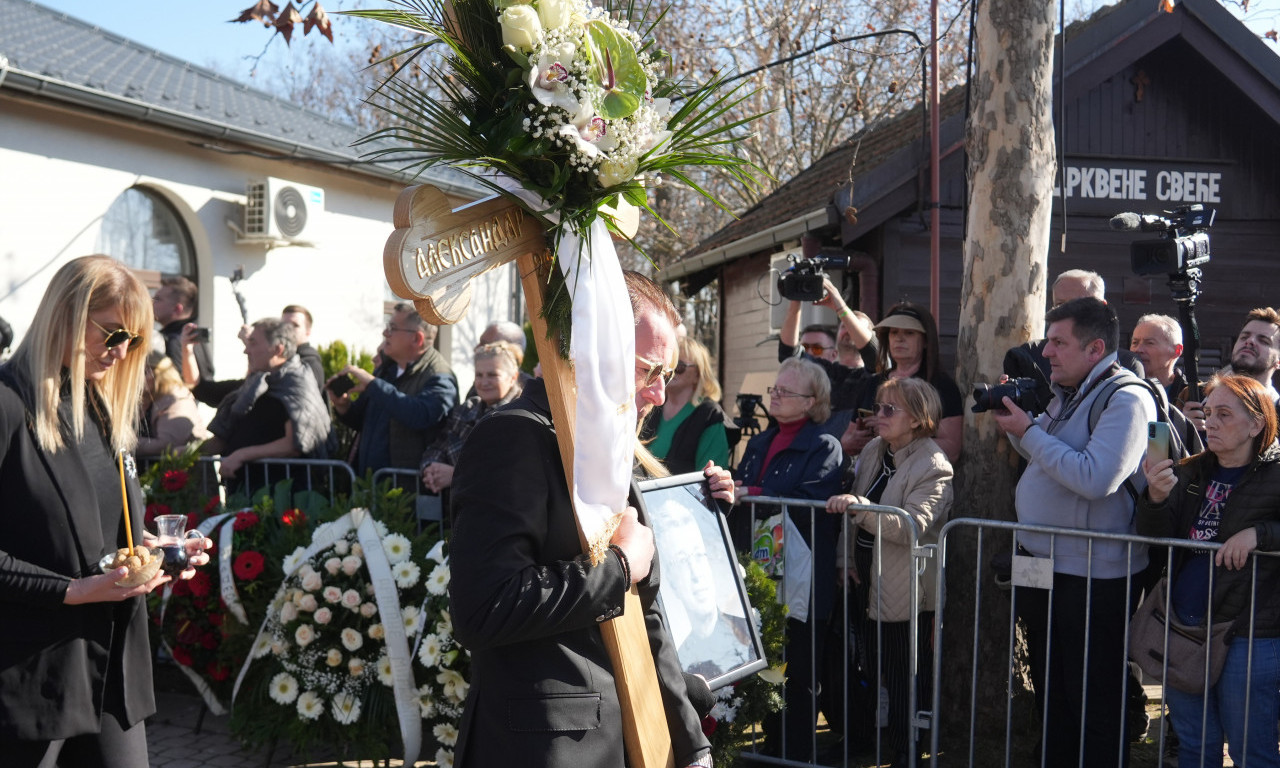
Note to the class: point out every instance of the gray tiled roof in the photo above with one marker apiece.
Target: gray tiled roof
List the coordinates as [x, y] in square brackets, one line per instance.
[63, 58]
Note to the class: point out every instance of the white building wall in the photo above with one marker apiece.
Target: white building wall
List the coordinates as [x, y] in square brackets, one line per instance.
[60, 170]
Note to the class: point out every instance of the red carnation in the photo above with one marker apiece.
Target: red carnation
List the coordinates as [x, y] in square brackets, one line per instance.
[211, 504]
[174, 480]
[245, 519]
[154, 511]
[247, 565]
[182, 656]
[709, 724]
[209, 641]
[215, 619]
[200, 584]
[293, 517]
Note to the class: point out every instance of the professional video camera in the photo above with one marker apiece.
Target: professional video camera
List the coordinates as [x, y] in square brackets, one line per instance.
[746, 418]
[1182, 245]
[802, 281]
[1022, 391]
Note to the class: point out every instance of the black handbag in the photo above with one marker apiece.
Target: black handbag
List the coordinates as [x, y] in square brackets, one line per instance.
[1190, 649]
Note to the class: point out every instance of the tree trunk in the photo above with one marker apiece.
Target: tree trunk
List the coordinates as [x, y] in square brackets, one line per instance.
[1011, 167]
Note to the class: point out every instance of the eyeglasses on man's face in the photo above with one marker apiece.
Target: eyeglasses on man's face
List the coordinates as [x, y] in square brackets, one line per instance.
[118, 336]
[391, 328]
[781, 392]
[655, 371]
[817, 350]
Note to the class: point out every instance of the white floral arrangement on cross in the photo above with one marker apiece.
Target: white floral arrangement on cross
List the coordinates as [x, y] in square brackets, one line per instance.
[357, 650]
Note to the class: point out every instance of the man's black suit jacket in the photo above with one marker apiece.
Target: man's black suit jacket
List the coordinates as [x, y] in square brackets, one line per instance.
[528, 605]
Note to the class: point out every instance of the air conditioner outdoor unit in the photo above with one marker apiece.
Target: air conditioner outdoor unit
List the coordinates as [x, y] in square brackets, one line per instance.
[281, 210]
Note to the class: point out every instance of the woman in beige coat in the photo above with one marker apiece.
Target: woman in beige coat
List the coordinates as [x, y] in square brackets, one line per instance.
[902, 467]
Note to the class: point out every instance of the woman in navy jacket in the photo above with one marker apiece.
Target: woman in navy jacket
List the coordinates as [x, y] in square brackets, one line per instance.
[797, 459]
[75, 668]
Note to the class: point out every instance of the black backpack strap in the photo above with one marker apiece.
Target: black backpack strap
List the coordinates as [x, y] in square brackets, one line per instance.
[1100, 404]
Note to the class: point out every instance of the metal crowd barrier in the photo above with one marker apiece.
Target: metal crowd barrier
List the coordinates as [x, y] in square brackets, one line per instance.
[991, 536]
[329, 477]
[756, 507]
[428, 507]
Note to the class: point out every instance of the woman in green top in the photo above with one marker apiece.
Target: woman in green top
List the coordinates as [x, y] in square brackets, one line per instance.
[687, 431]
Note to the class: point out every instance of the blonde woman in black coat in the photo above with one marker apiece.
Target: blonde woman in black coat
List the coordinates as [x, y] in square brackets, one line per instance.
[75, 667]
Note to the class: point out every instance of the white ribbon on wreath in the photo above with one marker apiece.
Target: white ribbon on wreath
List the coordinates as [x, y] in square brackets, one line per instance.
[206, 693]
[388, 599]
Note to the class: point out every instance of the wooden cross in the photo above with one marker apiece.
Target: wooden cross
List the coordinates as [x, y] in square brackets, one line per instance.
[431, 258]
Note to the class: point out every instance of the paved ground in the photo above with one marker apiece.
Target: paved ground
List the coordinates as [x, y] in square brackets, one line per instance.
[172, 741]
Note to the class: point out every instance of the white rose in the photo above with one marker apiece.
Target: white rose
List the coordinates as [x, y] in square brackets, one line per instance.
[305, 570]
[368, 610]
[521, 28]
[351, 639]
[288, 613]
[377, 632]
[332, 595]
[333, 565]
[351, 599]
[355, 667]
[333, 658]
[341, 547]
[304, 635]
[554, 14]
[613, 172]
[357, 550]
[312, 582]
[351, 565]
[323, 616]
[307, 603]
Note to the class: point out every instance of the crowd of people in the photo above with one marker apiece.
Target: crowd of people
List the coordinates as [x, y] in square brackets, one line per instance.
[860, 414]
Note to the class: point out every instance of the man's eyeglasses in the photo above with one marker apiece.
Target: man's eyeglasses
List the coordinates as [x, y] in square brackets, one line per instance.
[780, 392]
[885, 409]
[656, 371]
[392, 329]
[817, 350]
[118, 336]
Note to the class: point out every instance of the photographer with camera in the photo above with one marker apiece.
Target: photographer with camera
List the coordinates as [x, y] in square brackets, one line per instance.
[174, 306]
[1076, 477]
[846, 357]
[1027, 361]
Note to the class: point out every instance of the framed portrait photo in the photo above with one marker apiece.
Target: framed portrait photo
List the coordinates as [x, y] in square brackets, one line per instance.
[701, 592]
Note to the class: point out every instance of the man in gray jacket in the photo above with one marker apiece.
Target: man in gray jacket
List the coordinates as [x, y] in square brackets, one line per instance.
[1075, 478]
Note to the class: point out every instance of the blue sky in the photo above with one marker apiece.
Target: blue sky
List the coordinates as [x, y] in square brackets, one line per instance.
[198, 32]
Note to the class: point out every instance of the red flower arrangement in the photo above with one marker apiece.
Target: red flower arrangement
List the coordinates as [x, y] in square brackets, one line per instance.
[248, 565]
[174, 480]
[203, 634]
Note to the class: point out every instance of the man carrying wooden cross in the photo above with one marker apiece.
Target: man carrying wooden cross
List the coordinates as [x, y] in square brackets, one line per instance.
[528, 603]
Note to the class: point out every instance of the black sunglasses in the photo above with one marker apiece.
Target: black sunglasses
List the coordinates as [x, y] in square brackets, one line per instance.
[118, 336]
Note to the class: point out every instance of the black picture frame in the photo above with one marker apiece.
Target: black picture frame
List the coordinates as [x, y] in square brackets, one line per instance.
[700, 573]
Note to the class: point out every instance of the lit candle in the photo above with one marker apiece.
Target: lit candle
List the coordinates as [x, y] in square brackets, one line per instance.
[124, 497]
